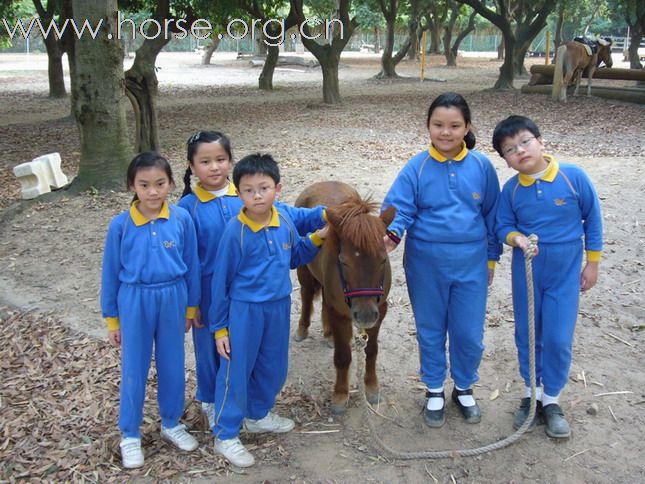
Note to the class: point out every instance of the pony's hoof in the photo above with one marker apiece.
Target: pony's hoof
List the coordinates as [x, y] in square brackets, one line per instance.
[300, 336]
[329, 341]
[373, 398]
[338, 409]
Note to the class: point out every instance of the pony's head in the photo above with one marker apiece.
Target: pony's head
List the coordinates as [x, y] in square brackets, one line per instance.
[363, 264]
[604, 52]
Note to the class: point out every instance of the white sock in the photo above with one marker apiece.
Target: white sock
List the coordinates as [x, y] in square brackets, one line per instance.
[465, 400]
[538, 392]
[435, 403]
[548, 399]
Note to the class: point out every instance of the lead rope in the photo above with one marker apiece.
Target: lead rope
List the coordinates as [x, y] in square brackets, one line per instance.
[360, 342]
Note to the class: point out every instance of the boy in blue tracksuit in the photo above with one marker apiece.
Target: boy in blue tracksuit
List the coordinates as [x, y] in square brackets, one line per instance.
[212, 203]
[558, 203]
[149, 295]
[446, 199]
[251, 307]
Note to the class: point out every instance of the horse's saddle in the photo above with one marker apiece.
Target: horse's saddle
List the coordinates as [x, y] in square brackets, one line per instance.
[590, 45]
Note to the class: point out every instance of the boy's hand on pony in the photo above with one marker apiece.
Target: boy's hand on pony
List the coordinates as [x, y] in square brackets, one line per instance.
[223, 347]
[589, 276]
[390, 245]
[114, 337]
[523, 242]
[324, 232]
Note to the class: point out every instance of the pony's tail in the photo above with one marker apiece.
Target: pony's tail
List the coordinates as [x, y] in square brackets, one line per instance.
[558, 73]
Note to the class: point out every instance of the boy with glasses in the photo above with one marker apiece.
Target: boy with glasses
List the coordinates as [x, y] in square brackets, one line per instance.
[558, 203]
[251, 307]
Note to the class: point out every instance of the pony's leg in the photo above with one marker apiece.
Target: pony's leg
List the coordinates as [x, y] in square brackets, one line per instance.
[592, 69]
[371, 351]
[578, 78]
[341, 328]
[565, 84]
[308, 288]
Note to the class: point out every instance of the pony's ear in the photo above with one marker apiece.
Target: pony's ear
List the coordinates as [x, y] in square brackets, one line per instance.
[388, 215]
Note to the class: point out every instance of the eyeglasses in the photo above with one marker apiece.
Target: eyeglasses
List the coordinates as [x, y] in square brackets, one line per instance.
[512, 150]
[251, 192]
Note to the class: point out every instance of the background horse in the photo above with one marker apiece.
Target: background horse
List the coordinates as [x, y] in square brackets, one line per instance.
[571, 59]
[353, 271]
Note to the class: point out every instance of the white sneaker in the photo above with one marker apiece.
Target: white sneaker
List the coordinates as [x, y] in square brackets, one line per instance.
[234, 452]
[270, 423]
[209, 410]
[131, 453]
[178, 437]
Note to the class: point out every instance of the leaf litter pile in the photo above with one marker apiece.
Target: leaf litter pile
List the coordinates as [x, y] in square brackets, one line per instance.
[59, 406]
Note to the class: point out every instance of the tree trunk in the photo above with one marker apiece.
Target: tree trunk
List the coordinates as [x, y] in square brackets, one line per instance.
[435, 39]
[634, 41]
[388, 70]
[142, 86]
[558, 27]
[377, 41]
[507, 71]
[413, 27]
[328, 55]
[500, 50]
[265, 81]
[519, 54]
[331, 89]
[208, 51]
[55, 68]
[99, 105]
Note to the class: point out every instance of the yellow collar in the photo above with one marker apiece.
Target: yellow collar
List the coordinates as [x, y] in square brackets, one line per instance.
[549, 175]
[256, 227]
[206, 196]
[440, 158]
[139, 219]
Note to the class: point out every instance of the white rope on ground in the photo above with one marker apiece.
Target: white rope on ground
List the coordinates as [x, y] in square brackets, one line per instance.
[361, 343]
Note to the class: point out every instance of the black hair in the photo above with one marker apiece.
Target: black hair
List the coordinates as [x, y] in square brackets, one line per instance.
[454, 100]
[191, 148]
[147, 159]
[256, 164]
[509, 127]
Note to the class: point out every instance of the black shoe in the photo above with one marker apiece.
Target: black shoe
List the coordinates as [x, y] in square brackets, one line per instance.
[523, 412]
[472, 414]
[557, 426]
[435, 418]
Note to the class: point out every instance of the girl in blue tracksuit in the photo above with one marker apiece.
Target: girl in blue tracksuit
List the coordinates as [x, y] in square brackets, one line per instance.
[212, 203]
[446, 198]
[149, 294]
[251, 307]
[558, 203]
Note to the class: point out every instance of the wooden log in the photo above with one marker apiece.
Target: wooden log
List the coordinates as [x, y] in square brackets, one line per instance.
[627, 94]
[602, 73]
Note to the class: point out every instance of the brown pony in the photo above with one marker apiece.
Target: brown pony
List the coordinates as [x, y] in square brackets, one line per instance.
[571, 59]
[353, 271]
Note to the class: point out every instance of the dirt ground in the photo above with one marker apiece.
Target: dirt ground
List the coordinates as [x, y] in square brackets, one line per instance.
[59, 379]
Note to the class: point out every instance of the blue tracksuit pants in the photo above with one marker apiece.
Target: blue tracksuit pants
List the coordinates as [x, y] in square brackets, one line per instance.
[248, 384]
[556, 282]
[206, 357]
[447, 285]
[152, 315]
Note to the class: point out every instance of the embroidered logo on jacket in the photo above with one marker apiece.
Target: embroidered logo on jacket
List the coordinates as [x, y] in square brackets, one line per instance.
[476, 195]
[168, 244]
[286, 245]
[560, 201]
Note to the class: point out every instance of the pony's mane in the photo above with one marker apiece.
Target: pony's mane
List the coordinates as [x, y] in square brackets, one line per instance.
[354, 220]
